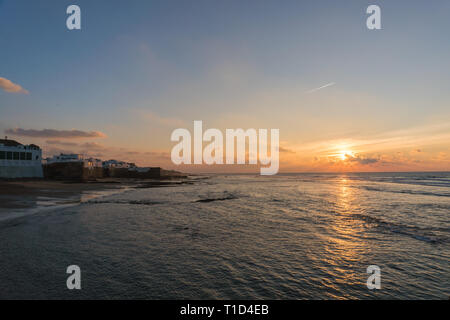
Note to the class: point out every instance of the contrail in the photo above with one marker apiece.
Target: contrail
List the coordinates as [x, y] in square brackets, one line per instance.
[322, 87]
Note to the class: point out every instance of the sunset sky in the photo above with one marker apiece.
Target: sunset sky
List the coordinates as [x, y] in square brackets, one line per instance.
[345, 98]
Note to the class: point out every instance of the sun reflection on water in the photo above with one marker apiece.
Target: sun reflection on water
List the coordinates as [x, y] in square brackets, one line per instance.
[343, 246]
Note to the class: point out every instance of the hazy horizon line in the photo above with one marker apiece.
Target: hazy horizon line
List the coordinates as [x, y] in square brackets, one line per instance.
[304, 172]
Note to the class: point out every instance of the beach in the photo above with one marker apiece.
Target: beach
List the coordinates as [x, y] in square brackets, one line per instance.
[21, 196]
[25, 194]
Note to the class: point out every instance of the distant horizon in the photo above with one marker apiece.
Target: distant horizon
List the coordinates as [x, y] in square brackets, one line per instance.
[314, 172]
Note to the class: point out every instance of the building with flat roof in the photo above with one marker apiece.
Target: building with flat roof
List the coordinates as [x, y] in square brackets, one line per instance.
[118, 164]
[73, 166]
[20, 161]
[75, 157]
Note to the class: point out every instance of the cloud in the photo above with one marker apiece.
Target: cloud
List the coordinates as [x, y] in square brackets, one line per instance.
[51, 133]
[390, 141]
[286, 150]
[61, 143]
[360, 159]
[92, 145]
[9, 86]
[85, 147]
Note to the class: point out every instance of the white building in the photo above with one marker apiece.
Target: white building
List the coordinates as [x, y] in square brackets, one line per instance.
[20, 161]
[65, 158]
[73, 157]
[117, 164]
[92, 162]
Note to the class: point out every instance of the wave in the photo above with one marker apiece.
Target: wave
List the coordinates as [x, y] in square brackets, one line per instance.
[132, 202]
[231, 197]
[441, 179]
[422, 234]
[413, 192]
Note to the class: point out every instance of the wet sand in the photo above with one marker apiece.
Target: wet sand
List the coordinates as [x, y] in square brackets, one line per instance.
[25, 194]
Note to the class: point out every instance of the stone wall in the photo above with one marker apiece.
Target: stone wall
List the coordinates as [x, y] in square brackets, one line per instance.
[151, 173]
[117, 172]
[71, 171]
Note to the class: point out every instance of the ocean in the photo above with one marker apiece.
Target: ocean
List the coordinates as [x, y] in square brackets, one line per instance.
[290, 236]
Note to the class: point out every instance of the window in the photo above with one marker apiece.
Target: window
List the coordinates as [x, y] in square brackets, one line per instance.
[16, 156]
[9, 155]
[23, 156]
[29, 154]
[2, 155]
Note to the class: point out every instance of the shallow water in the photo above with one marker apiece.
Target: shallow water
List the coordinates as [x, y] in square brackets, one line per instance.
[296, 236]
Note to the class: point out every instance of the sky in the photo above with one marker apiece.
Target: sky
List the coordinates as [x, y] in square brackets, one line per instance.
[345, 98]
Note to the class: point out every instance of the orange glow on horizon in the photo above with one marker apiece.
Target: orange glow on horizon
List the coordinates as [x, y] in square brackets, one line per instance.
[343, 154]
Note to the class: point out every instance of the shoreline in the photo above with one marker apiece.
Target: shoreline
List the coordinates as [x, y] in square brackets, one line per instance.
[24, 197]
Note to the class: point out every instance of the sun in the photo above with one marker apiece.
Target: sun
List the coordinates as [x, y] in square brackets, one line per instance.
[343, 154]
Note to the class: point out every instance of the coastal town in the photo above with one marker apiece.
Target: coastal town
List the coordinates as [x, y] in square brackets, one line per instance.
[25, 161]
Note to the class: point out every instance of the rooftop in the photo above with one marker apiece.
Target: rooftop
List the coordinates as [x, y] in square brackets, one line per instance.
[14, 143]
[9, 143]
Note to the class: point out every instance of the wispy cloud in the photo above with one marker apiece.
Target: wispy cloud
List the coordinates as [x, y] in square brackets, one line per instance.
[414, 137]
[86, 145]
[92, 146]
[51, 133]
[286, 150]
[361, 159]
[322, 87]
[61, 143]
[9, 86]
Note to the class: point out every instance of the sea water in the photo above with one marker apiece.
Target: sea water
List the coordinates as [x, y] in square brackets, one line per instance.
[291, 236]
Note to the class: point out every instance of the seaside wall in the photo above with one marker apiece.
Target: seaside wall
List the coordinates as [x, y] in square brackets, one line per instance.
[151, 173]
[77, 171]
[147, 173]
[11, 172]
[117, 173]
[71, 171]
